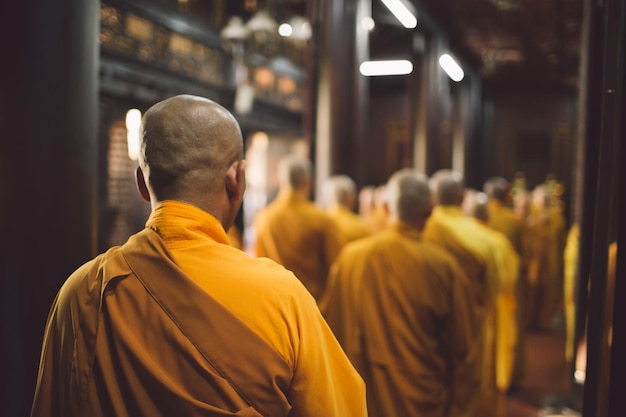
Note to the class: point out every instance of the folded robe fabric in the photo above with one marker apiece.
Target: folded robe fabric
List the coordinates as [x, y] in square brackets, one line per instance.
[211, 365]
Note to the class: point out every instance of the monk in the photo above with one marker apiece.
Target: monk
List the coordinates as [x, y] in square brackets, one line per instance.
[295, 232]
[177, 322]
[403, 311]
[545, 247]
[502, 218]
[504, 332]
[339, 202]
[473, 248]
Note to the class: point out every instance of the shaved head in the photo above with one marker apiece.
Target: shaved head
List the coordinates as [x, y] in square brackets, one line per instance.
[187, 145]
[497, 188]
[294, 171]
[448, 187]
[409, 197]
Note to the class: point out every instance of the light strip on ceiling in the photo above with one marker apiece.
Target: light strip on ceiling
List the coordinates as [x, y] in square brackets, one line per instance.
[401, 12]
[451, 68]
[391, 67]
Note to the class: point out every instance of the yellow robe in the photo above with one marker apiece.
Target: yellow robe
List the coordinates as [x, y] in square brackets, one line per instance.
[544, 251]
[485, 261]
[570, 262]
[350, 226]
[506, 320]
[505, 220]
[297, 234]
[402, 309]
[110, 349]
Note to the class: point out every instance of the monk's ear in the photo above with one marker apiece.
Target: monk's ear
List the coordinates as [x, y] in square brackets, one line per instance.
[236, 180]
[141, 185]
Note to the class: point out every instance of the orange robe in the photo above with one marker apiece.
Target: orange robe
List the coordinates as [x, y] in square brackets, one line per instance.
[297, 234]
[570, 265]
[484, 261]
[178, 322]
[350, 226]
[402, 310]
[505, 220]
[545, 247]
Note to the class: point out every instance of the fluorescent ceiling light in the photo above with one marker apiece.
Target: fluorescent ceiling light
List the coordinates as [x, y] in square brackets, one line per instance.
[451, 68]
[401, 12]
[392, 67]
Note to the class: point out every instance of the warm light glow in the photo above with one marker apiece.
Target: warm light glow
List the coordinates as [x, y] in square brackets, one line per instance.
[368, 23]
[260, 140]
[451, 68]
[133, 123]
[301, 28]
[392, 67]
[285, 30]
[401, 12]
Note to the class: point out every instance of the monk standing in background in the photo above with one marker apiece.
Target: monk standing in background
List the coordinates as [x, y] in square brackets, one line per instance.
[504, 318]
[502, 218]
[293, 231]
[545, 247]
[403, 311]
[339, 201]
[473, 248]
[177, 322]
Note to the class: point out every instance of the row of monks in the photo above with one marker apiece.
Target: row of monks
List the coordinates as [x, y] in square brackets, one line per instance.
[428, 286]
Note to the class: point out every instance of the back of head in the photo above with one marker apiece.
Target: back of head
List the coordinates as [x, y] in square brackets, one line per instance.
[187, 146]
[408, 196]
[339, 190]
[497, 188]
[448, 187]
[475, 205]
[294, 172]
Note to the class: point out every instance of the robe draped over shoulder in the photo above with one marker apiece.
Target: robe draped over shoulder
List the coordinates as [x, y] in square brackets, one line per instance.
[124, 303]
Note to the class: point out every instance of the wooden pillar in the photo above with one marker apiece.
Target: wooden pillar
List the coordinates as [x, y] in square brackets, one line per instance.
[340, 101]
[48, 123]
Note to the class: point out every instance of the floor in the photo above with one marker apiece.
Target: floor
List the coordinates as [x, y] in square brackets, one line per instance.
[545, 388]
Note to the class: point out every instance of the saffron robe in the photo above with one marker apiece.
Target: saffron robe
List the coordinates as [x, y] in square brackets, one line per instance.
[135, 332]
[544, 249]
[350, 226]
[402, 310]
[505, 220]
[297, 234]
[483, 259]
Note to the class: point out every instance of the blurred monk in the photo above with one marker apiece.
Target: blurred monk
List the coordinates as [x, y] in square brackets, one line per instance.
[339, 202]
[177, 322]
[502, 218]
[546, 245]
[503, 319]
[473, 247]
[293, 231]
[403, 311]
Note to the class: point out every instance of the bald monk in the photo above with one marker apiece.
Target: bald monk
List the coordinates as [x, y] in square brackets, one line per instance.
[503, 332]
[177, 322]
[473, 248]
[545, 248]
[293, 231]
[502, 218]
[340, 199]
[402, 309]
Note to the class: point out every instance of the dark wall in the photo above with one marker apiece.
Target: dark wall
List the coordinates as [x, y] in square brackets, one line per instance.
[534, 133]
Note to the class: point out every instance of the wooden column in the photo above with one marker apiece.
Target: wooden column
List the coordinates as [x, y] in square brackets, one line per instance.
[48, 122]
[340, 101]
